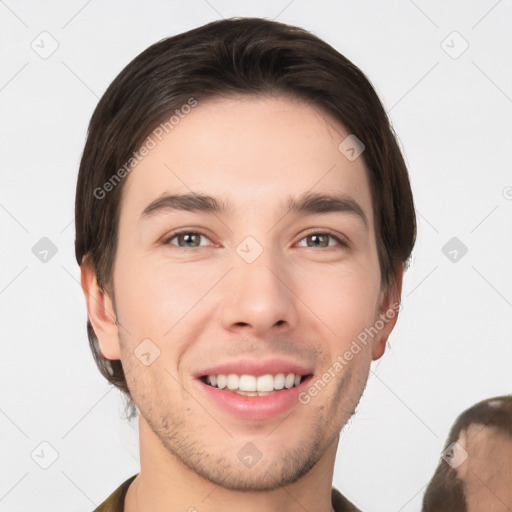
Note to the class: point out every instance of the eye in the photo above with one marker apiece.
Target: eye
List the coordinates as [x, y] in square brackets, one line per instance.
[186, 239]
[193, 239]
[321, 239]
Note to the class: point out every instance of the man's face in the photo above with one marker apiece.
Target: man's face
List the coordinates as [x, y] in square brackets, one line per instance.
[255, 290]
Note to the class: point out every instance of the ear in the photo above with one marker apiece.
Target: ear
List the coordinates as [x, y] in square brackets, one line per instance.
[100, 311]
[389, 304]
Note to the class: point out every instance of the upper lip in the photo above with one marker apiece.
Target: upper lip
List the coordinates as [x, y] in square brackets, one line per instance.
[255, 367]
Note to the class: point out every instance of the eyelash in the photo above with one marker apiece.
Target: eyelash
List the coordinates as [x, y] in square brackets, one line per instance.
[175, 234]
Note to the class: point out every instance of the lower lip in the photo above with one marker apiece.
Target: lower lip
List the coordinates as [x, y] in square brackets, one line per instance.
[254, 407]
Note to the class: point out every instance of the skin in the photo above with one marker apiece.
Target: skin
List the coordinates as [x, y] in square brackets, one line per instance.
[487, 469]
[304, 303]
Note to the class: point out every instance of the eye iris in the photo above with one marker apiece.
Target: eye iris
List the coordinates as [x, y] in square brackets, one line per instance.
[188, 239]
[316, 238]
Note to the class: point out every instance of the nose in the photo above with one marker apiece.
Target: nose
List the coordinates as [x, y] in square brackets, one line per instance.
[258, 298]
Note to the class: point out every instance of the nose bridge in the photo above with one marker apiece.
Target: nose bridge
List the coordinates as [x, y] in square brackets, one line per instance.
[258, 296]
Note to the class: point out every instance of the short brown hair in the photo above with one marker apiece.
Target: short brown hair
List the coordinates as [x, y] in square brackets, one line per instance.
[231, 57]
[446, 491]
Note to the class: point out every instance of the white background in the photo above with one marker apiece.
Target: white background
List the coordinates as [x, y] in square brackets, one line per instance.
[452, 345]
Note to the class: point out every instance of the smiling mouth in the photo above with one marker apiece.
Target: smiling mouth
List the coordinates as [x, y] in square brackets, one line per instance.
[251, 385]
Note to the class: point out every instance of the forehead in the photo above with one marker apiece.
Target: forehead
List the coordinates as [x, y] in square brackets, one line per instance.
[249, 150]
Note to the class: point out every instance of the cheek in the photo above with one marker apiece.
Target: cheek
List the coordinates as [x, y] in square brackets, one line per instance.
[344, 297]
[154, 288]
[152, 294]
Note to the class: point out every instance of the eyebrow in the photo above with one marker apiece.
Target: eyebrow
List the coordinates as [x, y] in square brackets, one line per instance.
[307, 203]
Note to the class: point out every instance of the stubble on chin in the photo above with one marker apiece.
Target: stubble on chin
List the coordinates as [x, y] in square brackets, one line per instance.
[198, 443]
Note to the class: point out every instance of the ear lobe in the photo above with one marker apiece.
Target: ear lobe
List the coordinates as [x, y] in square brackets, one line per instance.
[388, 312]
[100, 311]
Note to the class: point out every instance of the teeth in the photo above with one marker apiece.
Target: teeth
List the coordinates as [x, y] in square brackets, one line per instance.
[246, 393]
[279, 381]
[221, 381]
[265, 383]
[247, 383]
[250, 385]
[289, 380]
[233, 381]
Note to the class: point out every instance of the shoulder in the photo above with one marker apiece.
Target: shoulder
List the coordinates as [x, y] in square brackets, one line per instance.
[115, 502]
[340, 503]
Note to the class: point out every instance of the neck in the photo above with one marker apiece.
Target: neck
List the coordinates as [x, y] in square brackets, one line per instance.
[166, 484]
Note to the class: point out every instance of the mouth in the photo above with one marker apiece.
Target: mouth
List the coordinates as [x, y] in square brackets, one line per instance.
[254, 385]
[253, 389]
